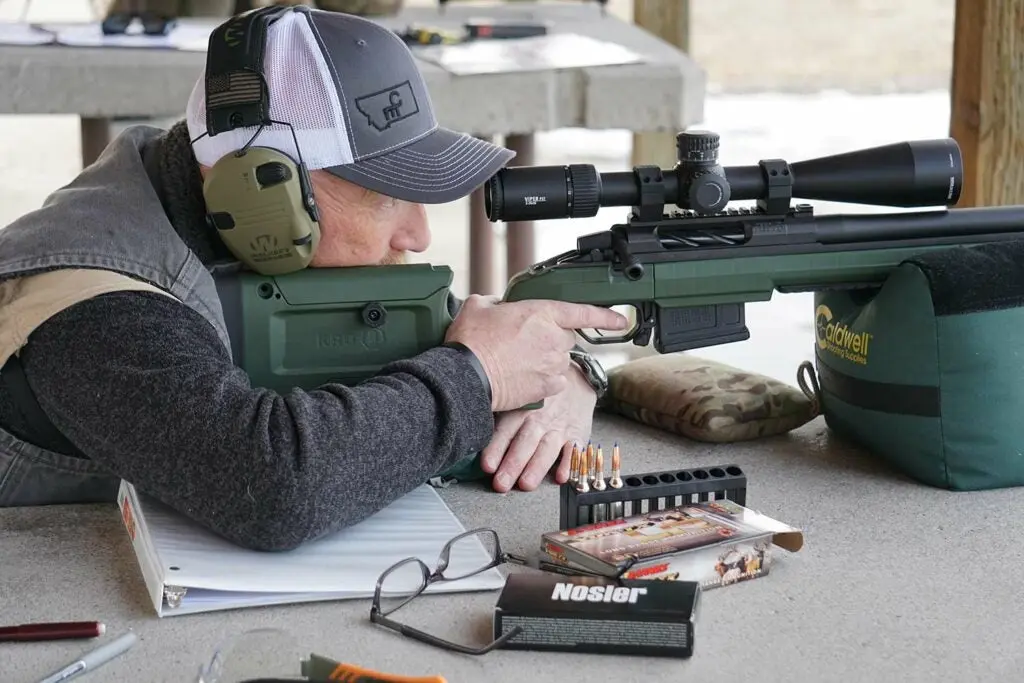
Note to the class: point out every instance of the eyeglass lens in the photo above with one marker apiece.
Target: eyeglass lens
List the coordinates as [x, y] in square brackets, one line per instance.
[462, 557]
[402, 583]
[468, 554]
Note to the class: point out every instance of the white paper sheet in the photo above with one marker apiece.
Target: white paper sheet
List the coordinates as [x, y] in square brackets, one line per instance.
[173, 551]
[538, 53]
[20, 33]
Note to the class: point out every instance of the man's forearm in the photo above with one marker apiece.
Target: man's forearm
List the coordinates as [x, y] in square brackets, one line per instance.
[142, 385]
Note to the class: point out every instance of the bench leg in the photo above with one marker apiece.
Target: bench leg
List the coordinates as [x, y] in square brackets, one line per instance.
[520, 245]
[481, 246]
[95, 134]
[519, 239]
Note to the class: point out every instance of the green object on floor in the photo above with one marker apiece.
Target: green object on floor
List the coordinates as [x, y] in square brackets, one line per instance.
[928, 373]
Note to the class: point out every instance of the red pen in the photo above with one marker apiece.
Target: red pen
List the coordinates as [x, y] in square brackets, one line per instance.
[52, 631]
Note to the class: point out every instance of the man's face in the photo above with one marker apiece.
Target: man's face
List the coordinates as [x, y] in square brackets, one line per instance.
[359, 227]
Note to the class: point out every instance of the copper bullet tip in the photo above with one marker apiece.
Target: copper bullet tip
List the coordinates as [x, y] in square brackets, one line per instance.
[616, 479]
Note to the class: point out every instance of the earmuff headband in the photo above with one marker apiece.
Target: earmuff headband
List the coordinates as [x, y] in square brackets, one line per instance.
[236, 92]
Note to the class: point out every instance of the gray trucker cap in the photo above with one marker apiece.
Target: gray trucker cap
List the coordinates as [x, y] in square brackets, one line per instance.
[359, 108]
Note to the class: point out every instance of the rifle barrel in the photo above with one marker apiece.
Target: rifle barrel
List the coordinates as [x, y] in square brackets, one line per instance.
[850, 228]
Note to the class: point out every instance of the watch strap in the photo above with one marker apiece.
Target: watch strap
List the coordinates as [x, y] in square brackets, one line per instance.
[591, 369]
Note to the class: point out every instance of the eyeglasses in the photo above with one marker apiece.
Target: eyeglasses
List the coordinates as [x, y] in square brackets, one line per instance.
[460, 558]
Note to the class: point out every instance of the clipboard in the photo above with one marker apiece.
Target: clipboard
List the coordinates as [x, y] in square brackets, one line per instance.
[189, 570]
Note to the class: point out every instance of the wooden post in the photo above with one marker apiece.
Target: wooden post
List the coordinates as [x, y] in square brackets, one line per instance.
[670, 21]
[987, 100]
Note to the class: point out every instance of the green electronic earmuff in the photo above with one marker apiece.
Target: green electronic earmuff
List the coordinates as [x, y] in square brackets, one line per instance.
[259, 200]
[263, 210]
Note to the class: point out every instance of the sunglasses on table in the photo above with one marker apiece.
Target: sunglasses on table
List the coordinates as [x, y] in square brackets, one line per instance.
[153, 24]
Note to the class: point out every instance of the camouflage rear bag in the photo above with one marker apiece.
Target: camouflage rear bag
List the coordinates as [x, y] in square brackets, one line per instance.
[927, 372]
[705, 400]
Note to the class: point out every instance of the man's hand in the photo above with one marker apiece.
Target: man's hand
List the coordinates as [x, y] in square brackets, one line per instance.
[524, 346]
[526, 443]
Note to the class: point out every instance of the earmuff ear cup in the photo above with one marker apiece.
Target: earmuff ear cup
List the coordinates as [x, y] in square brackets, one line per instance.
[256, 200]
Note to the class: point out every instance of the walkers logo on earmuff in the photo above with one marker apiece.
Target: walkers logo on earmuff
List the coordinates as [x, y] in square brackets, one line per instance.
[263, 243]
[265, 247]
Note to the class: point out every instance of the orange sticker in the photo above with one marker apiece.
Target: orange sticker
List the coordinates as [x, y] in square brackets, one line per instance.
[129, 520]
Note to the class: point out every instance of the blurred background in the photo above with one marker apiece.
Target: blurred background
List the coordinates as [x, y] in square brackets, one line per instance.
[786, 78]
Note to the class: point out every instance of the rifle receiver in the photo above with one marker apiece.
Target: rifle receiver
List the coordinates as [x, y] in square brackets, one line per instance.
[902, 174]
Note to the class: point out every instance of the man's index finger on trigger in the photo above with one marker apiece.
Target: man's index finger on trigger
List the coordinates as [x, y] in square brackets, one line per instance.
[587, 316]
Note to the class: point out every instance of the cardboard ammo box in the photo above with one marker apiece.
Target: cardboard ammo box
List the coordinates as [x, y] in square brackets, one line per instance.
[715, 543]
[597, 615]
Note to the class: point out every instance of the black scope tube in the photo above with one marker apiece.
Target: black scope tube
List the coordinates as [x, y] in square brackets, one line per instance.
[903, 174]
[984, 220]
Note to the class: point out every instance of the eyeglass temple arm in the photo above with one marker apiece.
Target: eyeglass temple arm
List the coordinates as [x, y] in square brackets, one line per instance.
[425, 637]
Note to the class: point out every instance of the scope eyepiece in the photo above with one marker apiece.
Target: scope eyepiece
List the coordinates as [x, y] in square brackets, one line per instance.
[528, 193]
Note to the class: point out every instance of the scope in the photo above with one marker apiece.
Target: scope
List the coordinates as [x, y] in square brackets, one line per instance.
[902, 174]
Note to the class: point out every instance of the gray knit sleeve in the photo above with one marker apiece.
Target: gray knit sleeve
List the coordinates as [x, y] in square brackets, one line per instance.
[143, 385]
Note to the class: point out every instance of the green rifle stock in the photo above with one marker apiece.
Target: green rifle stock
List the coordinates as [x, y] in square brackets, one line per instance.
[333, 325]
[689, 272]
[339, 325]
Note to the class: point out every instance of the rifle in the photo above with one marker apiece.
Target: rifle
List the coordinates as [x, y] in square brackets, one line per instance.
[688, 273]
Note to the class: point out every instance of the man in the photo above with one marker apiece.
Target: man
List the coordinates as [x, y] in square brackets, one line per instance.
[110, 321]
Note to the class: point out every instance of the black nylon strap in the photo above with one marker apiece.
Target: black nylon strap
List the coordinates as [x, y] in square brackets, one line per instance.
[885, 397]
[236, 92]
[13, 377]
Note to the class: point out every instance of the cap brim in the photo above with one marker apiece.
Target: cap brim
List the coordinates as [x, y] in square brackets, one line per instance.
[440, 167]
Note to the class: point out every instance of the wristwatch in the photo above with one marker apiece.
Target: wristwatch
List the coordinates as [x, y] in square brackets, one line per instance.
[591, 369]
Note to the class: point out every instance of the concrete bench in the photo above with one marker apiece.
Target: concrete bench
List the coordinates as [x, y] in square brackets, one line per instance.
[664, 94]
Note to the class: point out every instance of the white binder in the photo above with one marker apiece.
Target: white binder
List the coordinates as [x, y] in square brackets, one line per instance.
[188, 569]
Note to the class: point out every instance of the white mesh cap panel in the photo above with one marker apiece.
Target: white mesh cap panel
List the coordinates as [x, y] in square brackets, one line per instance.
[301, 92]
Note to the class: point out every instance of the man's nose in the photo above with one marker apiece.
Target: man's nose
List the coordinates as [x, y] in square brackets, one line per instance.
[413, 233]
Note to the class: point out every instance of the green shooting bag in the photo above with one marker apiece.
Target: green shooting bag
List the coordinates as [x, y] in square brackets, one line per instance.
[927, 371]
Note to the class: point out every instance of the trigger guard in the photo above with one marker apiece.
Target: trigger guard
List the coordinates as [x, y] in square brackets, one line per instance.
[639, 334]
[608, 340]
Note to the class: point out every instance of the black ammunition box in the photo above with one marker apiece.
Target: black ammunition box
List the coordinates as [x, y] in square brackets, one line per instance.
[597, 615]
